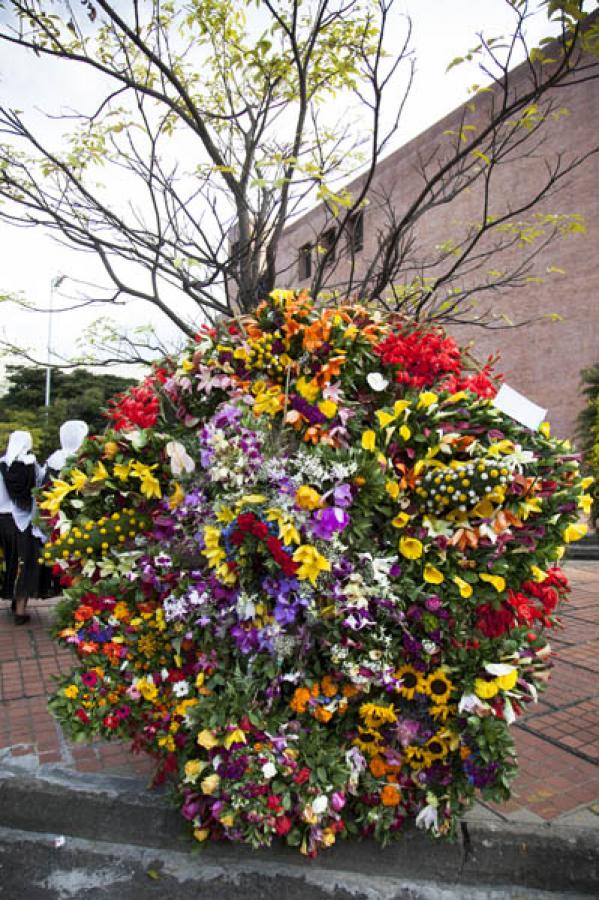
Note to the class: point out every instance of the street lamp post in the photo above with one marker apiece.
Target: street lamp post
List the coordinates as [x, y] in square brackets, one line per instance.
[55, 283]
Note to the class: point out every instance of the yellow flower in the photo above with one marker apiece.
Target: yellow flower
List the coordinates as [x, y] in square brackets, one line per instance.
[465, 588]
[507, 682]
[392, 488]
[228, 821]
[587, 482]
[456, 398]
[307, 498]
[405, 433]
[575, 532]
[289, 533]
[485, 689]
[149, 484]
[186, 364]
[193, 768]
[78, 479]
[122, 470]
[426, 399]
[484, 509]
[411, 548]
[210, 784]
[111, 448]
[496, 580]
[369, 441]
[206, 739]
[237, 736]
[385, 418]
[438, 687]
[545, 429]
[201, 834]
[309, 390]
[269, 401]
[400, 520]
[375, 715]
[147, 689]
[432, 575]
[538, 574]
[328, 408]
[71, 691]
[400, 406]
[55, 497]
[177, 497]
[585, 502]
[100, 472]
[312, 563]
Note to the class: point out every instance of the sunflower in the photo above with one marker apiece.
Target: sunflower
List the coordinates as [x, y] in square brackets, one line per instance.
[369, 741]
[436, 748]
[375, 715]
[409, 681]
[438, 687]
[416, 756]
[442, 712]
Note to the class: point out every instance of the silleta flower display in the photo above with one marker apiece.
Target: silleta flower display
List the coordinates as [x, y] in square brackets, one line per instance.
[311, 570]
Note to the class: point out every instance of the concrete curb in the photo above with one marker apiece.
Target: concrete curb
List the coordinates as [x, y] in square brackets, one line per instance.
[121, 810]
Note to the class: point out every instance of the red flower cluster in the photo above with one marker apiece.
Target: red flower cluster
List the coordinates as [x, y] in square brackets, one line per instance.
[249, 523]
[422, 357]
[483, 383]
[536, 602]
[136, 408]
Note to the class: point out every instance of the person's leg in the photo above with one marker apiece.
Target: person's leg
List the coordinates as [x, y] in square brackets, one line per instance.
[27, 577]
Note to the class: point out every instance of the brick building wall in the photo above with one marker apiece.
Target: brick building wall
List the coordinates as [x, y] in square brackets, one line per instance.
[544, 358]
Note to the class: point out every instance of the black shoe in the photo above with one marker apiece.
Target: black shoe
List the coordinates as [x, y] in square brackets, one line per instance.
[22, 620]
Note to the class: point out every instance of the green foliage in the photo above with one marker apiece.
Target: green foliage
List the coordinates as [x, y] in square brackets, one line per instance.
[75, 395]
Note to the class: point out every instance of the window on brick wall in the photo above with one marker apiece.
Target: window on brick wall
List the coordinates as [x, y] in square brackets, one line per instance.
[326, 241]
[305, 262]
[355, 232]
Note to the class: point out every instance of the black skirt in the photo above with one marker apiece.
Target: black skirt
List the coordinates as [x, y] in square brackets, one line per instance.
[21, 575]
[10, 563]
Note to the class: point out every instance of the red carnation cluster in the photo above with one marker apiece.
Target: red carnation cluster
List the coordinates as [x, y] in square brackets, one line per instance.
[422, 357]
[482, 383]
[136, 408]
[535, 602]
[249, 523]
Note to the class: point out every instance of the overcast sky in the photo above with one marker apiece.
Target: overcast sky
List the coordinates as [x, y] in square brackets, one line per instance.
[30, 260]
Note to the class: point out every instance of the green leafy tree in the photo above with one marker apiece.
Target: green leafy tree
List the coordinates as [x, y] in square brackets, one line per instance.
[214, 115]
[79, 394]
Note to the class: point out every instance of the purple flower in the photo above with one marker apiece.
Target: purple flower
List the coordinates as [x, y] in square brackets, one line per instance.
[325, 522]
[342, 495]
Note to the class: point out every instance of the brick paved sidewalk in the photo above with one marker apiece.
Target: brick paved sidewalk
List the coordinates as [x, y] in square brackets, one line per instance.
[557, 739]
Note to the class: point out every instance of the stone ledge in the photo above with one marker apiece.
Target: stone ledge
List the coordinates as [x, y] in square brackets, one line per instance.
[544, 857]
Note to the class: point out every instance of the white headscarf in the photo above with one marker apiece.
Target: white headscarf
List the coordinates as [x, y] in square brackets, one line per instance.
[19, 445]
[72, 435]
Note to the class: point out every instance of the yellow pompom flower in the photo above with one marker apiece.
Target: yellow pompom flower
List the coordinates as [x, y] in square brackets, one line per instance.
[485, 689]
[507, 682]
[71, 691]
[411, 548]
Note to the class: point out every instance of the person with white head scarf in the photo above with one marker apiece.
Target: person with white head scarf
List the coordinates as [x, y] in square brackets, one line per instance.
[72, 434]
[19, 475]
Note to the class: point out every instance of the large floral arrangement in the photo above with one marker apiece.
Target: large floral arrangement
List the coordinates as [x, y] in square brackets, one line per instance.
[311, 570]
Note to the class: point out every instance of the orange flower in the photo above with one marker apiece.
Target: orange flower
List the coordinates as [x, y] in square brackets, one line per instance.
[390, 796]
[83, 613]
[300, 700]
[315, 335]
[329, 689]
[330, 370]
[350, 690]
[377, 766]
[322, 714]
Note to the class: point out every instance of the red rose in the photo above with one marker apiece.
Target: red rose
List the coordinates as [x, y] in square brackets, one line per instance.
[302, 776]
[283, 825]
